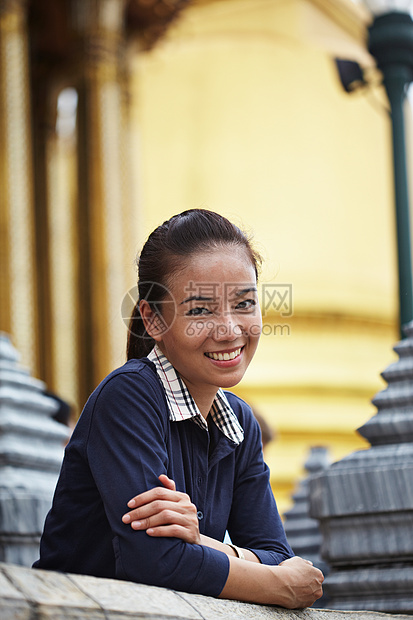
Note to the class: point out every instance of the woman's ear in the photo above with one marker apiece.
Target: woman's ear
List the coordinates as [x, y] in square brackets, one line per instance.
[152, 320]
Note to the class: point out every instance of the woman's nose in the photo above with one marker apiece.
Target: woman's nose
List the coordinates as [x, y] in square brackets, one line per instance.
[227, 328]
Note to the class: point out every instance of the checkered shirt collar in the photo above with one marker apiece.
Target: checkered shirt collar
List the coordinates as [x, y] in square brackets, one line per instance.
[183, 407]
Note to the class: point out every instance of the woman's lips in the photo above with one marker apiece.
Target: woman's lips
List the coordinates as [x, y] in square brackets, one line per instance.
[225, 358]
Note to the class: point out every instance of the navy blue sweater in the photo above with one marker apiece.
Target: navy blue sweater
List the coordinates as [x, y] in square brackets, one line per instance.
[123, 441]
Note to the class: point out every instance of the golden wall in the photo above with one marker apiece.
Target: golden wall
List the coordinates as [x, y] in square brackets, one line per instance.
[240, 110]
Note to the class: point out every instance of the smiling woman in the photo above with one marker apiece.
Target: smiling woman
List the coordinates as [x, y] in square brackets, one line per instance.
[208, 339]
[160, 437]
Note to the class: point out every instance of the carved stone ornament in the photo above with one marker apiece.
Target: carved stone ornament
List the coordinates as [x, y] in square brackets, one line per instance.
[31, 452]
[365, 503]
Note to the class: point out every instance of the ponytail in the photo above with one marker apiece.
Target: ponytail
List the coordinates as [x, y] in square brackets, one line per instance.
[139, 342]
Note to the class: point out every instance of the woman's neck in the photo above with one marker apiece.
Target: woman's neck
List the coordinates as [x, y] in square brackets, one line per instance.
[203, 397]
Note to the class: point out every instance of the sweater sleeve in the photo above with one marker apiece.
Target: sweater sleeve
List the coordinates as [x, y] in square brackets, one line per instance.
[254, 522]
[127, 451]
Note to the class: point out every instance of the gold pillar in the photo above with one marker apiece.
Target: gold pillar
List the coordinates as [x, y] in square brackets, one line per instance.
[55, 198]
[98, 27]
[43, 121]
[61, 157]
[18, 257]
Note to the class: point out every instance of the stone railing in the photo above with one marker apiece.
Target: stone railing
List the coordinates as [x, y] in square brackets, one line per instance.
[27, 594]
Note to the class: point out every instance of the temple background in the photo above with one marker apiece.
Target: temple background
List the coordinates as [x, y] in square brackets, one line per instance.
[114, 116]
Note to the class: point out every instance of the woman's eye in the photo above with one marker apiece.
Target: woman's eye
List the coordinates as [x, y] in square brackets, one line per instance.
[247, 304]
[198, 311]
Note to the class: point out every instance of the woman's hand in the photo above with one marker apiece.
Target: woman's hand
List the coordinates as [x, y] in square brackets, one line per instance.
[301, 583]
[164, 511]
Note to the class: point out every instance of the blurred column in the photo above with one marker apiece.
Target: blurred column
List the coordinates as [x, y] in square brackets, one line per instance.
[61, 156]
[54, 143]
[101, 230]
[18, 309]
[43, 122]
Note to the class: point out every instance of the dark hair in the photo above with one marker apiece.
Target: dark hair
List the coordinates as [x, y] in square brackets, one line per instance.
[185, 234]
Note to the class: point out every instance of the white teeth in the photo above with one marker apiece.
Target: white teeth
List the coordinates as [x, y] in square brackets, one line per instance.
[220, 357]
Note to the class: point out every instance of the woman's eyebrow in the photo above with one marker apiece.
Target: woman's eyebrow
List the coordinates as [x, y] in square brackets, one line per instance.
[244, 291]
[196, 298]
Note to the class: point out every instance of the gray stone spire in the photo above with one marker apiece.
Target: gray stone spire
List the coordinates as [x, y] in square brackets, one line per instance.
[31, 452]
[365, 503]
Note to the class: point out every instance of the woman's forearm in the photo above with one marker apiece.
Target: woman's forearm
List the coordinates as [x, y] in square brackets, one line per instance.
[164, 512]
[294, 583]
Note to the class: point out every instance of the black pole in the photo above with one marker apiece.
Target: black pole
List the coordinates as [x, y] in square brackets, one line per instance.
[391, 42]
[396, 86]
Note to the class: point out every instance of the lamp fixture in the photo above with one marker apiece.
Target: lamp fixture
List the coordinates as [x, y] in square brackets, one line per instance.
[380, 7]
[391, 43]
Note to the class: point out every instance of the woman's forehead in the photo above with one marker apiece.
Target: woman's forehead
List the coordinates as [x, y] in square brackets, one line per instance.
[230, 263]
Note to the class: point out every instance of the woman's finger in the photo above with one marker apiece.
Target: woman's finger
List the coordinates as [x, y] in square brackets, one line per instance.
[157, 493]
[155, 507]
[166, 517]
[175, 531]
[167, 482]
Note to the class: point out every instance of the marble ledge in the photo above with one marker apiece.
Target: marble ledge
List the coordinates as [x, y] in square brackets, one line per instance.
[27, 594]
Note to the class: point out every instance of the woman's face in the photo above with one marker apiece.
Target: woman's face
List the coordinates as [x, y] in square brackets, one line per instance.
[212, 320]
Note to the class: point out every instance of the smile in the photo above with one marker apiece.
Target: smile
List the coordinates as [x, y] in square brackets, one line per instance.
[222, 357]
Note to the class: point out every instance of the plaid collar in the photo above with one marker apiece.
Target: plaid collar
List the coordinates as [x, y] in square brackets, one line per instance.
[183, 407]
